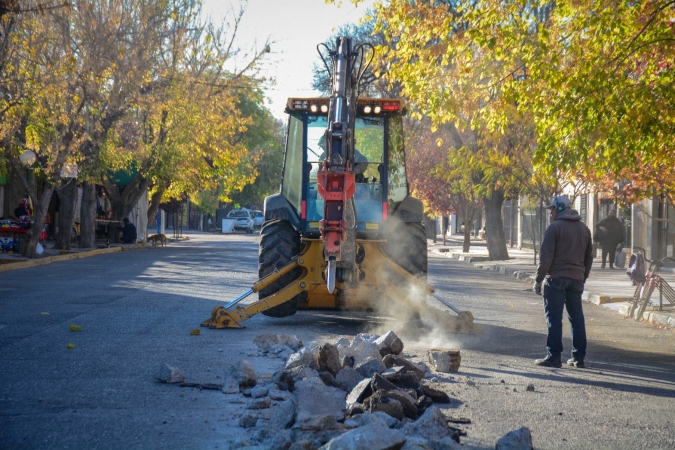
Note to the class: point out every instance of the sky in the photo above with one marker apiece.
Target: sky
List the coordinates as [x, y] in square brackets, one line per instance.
[296, 27]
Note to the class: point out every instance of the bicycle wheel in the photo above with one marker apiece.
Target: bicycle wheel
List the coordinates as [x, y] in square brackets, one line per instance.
[649, 290]
[635, 300]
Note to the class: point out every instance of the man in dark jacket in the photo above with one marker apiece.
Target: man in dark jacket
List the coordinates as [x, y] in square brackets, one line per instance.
[565, 262]
[129, 234]
[610, 234]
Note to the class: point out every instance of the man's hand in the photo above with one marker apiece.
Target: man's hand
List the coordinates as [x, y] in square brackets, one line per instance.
[537, 288]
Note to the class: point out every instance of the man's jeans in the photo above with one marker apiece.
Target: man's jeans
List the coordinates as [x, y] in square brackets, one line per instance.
[558, 293]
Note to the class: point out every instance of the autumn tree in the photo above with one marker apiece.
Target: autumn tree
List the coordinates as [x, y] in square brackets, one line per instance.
[434, 179]
[181, 138]
[452, 82]
[46, 118]
[264, 139]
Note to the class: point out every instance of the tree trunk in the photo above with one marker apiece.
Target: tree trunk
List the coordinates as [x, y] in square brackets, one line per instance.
[155, 200]
[123, 199]
[68, 196]
[468, 225]
[28, 246]
[88, 216]
[494, 231]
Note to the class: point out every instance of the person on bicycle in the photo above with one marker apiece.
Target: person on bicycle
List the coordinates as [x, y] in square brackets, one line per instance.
[610, 234]
[565, 261]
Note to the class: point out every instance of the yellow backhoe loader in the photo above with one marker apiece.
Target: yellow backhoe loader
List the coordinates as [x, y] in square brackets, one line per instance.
[343, 232]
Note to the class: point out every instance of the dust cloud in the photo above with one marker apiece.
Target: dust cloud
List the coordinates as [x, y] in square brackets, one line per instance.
[416, 322]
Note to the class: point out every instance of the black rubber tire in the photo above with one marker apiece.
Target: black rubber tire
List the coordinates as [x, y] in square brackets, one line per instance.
[279, 244]
[407, 246]
[644, 300]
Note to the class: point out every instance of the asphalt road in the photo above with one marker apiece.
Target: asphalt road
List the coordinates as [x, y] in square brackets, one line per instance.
[137, 308]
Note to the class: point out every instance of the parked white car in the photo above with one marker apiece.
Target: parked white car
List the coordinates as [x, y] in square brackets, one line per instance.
[243, 219]
[259, 218]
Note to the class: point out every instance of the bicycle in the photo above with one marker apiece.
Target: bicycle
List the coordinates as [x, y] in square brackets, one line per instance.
[644, 289]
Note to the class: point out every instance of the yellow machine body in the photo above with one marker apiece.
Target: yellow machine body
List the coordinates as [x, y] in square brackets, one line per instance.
[379, 280]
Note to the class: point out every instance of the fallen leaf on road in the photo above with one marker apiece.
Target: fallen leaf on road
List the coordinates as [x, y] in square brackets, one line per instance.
[70, 346]
[195, 332]
[44, 313]
[75, 328]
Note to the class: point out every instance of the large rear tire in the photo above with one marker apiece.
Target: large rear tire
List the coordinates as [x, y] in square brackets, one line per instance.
[279, 244]
[407, 246]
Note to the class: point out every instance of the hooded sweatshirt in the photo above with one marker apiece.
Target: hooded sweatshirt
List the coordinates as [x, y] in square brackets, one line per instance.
[567, 249]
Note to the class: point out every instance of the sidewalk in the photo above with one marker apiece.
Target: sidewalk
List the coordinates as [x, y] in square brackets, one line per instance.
[13, 261]
[609, 288]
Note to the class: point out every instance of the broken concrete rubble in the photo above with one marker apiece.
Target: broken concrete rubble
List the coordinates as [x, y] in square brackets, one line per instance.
[389, 344]
[315, 401]
[348, 377]
[519, 439]
[320, 401]
[327, 359]
[168, 374]
[272, 342]
[242, 373]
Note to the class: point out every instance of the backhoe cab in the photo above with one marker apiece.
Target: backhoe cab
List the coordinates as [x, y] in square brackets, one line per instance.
[343, 232]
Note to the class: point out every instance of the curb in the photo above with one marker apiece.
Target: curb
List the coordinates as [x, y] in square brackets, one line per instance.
[77, 255]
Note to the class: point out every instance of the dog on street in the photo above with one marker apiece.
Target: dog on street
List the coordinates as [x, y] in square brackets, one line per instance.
[158, 239]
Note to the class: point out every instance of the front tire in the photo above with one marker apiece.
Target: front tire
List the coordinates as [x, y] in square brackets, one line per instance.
[279, 244]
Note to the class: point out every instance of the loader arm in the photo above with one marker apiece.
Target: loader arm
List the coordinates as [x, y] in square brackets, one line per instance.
[387, 278]
[336, 179]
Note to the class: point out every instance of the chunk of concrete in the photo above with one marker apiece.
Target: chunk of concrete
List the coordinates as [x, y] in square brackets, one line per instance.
[259, 391]
[327, 359]
[431, 425]
[259, 403]
[446, 361]
[382, 401]
[243, 373]
[269, 342]
[329, 380]
[397, 360]
[359, 393]
[520, 439]
[376, 417]
[436, 395]
[402, 377]
[368, 437]
[248, 420]
[315, 400]
[279, 395]
[408, 403]
[370, 366]
[168, 374]
[287, 378]
[349, 377]
[283, 414]
[389, 344]
[304, 357]
[378, 382]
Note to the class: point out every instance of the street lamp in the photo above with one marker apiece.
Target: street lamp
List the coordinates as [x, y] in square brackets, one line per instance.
[28, 158]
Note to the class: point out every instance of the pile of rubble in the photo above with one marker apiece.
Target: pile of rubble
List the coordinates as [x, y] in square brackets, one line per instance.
[358, 394]
[361, 394]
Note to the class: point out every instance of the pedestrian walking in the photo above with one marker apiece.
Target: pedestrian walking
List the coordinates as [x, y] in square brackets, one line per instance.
[610, 233]
[565, 261]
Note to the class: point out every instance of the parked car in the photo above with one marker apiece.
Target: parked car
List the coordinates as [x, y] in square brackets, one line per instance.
[259, 218]
[243, 220]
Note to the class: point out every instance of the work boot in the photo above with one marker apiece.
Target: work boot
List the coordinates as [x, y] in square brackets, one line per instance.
[548, 362]
[576, 363]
